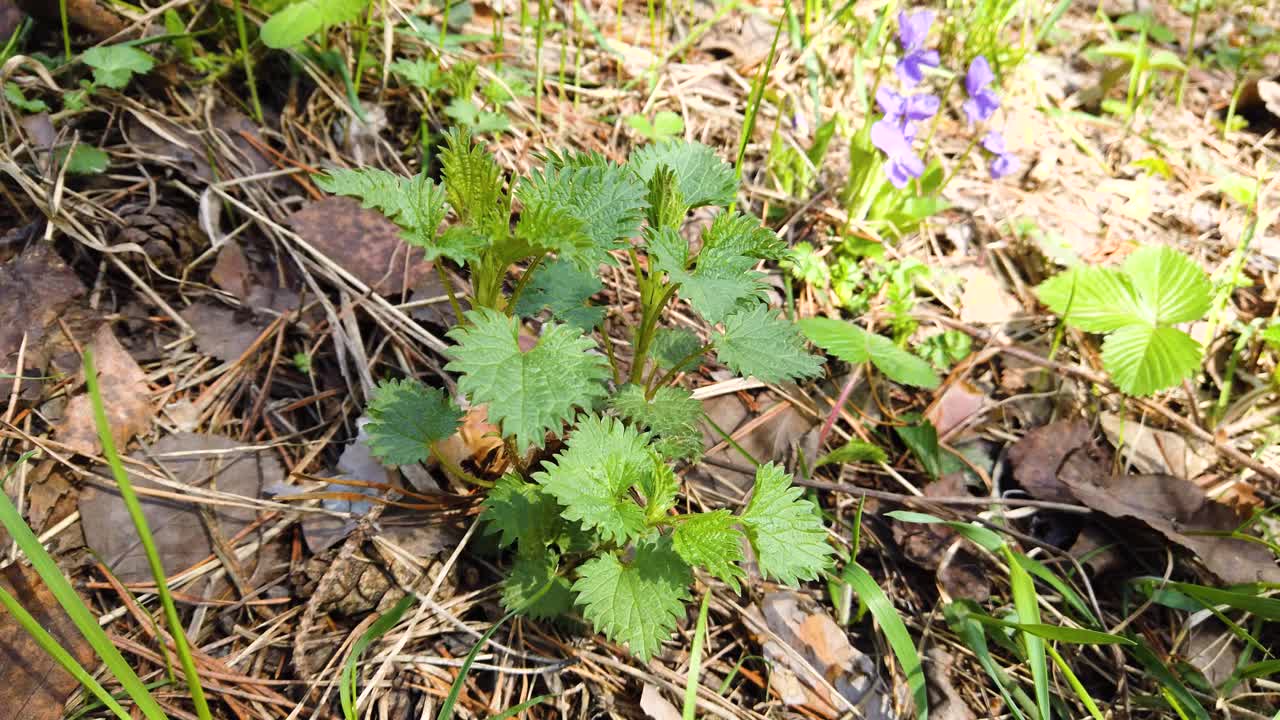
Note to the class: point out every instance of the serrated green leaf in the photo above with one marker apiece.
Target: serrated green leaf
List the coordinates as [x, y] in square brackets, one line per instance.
[527, 393]
[1169, 284]
[672, 415]
[13, 93]
[416, 204]
[710, 540]
[407, 417]
[592, 478]
[295, 23]
[566, 290]
[737, 234]
[672, 346]
[115, 65]
[855, 345]
[606, 199]
[704, 178]
[472, 180]
[667, 208]
[530, 573]
[421, 73]
[756, 343]
[852, 452]
[83, 159]
[785, 531]
[1092, 299]
[520, 511]
[638, 603]
[661, 490]
[1143, 360]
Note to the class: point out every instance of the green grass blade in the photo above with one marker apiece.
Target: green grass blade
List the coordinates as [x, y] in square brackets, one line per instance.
[49, 644]
[1176, 693]
[130, 498]
[757, 95]
[895, 631]
[347, 687]
[75, 608]
[695, 660]
[1050, 578]
[961, 616]
[1024, 601]
[446, 709]
[517, 709]
[1075, 683]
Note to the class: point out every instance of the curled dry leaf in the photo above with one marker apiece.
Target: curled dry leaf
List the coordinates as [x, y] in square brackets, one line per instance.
[362, 242]
[125, 396]
[35, 686]
[181, 533]
[957, 402]
[656, 707]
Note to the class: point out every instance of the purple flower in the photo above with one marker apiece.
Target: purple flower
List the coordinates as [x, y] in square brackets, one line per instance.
[1003, 162]
[903, 163]
[983, 101]
[911, 108]
[913, 30]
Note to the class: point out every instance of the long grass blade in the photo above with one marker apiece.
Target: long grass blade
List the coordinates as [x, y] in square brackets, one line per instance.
[130, 498]
[517, 709]
[895, 631]
[347, 687]
[1024, 601]
[695, 660]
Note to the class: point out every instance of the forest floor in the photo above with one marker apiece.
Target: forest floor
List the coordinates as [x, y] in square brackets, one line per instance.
[163, 214]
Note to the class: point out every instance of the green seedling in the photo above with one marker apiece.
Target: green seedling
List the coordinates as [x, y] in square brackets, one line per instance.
[1145, 64]
[665, 126]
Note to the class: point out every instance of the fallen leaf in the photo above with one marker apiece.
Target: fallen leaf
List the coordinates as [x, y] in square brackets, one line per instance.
[656, 707]
[37, 287]
[35, 687]
[476, 444]
[181, 536]
[362, 242]
[1213, 651]
[945, 702]
[744, 39]
[231, 270]
[125, 396]
[1037, 457]
[958, 402]
[959, 571]
[222, 332]
[1155, 451]
[985, 301]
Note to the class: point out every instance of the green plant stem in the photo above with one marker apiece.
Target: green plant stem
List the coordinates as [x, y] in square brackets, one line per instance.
[675, 370]
[50, 645]
[524, 281]
[695, 661]
[654, 297]
[448, 290]
[1191, 50]
[66, 30]
[757, 95]
[248, 60]
[130, 498]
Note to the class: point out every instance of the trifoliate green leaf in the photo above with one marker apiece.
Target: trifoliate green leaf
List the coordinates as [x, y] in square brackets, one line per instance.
[1092, 299]
[855, 345]
[295, 23]
[528, 393]
[672, 415]
[521, 511]
[1169, 284]
[852, 452]
[710, 540]
[535, 573]
[785, 531]
[1157, 287]
[593, 477]
[638, 603]
[407, 417]
[13, 93]
[472, 180]
[757, 343]
[115, 65]
[605, 198]
[566, 291]
[1143, 359]
[672, 346]
[704, 178]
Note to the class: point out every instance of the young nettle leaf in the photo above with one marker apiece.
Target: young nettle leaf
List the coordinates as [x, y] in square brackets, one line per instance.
[704, 178]
[1137, 306]
[711, 540]
[566, 291]
[675, 346]
[672, 415]
[607, 199]
[855, 345]
[472, 181]
[295, 23]
[639, 602]
[416, 204]
[667, 208]
[528, 392]
[407, 418]
[535, 573]
[115, 65]
[756, 343]
[593, 477]
[785, 531]
[520, 511]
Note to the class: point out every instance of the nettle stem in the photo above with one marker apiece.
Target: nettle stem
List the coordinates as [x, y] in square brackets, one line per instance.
[448, 290]
[675, 370]
[524, 279]
[654, 296]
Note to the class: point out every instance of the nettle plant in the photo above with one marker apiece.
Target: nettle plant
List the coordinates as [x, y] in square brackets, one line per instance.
[598, 525]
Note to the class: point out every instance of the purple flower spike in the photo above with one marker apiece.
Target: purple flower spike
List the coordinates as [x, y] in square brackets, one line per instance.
[913, 29]
[983, 101]
[1004, 162]
[903, 164]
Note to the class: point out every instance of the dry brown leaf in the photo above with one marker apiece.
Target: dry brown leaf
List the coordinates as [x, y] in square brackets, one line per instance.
[37, 287]
[985, 301]
[1037, 457]
[32, 684]
[945, 702]
[221, 332]
[362, 242]
[656, 707]
[960, 572]
[181, 534]
[957, 403]
[125, 396]
[1155, 451]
